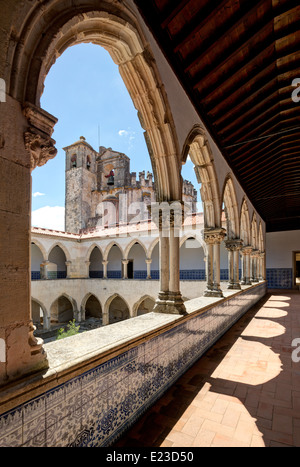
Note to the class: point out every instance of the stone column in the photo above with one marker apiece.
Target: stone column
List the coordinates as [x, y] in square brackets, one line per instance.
[246, 253]
[125, 268]
[25, 141]
[175, 301]
[161, 302]
[262, 266]
[105, 263]
[254, 260]
[148, 262]
[233, 247]
[213, 239]
[68, 264]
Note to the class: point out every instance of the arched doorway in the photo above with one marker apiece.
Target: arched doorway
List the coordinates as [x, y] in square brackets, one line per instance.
[136, 267]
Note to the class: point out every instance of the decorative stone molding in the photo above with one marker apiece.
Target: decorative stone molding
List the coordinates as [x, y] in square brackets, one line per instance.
[214, 236]
[38, 141]
[234, 245]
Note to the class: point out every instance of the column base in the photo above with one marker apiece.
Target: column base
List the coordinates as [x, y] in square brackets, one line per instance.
[234, 287]
[171, 303]
[246, 282]
[213, 293]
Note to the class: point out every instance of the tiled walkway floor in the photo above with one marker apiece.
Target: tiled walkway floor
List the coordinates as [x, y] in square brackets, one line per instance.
[244, 392]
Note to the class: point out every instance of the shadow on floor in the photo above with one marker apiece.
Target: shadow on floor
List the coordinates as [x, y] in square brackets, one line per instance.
[267, 385]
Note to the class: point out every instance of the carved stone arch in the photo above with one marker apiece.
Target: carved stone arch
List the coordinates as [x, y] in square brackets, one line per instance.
[139, 302]
[84, 303]
[63, 248]
[229, 199]
[109, 302]
[245, 228]
[151, 248]
[108, 249]
[41, 248]
[91, 249]
[44, 36]
[131, 244]
[261, 245]
[254, 232]
[198, 148]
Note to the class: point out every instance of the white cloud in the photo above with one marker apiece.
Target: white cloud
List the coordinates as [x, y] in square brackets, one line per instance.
[123, 133]
[37, 193]
[49, 218]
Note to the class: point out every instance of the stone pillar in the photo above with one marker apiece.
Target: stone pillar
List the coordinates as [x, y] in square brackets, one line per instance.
[168, 217]
[69, 264]
[254, 260]
[246, 254]
[125, 268]
[213, 239]
[25, 136]
[148, 262]
[262, 266]
[105, 263]
[175, 301]
[233, 247]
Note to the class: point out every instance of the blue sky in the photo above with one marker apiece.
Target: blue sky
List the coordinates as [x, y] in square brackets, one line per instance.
[85, 91]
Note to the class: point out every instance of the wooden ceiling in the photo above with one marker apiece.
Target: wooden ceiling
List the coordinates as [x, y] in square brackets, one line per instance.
[237, 60]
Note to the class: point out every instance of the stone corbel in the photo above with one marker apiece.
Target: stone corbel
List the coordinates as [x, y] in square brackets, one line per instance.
[38, 137]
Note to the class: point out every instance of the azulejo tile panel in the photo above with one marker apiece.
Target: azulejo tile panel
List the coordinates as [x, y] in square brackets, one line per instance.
[95, 408]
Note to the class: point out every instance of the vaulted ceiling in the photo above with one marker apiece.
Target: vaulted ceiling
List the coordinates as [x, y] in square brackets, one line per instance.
[237, 60]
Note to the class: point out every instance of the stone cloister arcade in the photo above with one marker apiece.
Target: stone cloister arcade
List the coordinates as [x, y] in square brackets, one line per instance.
[33, 37]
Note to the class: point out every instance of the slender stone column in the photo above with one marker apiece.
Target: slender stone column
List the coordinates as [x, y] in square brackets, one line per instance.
[125, 268]
[161, 302]
[254, 258]
[262, 266]
[213, 239]
[105, 263]
[148, 262]
[175, 300]
[246, 252]
[233, 247]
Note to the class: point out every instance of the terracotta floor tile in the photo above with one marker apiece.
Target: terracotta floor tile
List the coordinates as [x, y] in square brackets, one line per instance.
[245, 391]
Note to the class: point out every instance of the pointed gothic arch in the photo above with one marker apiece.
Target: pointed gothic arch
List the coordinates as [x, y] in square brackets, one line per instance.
[47, 32]
[229, 199]
[198, 148]
[245, 228]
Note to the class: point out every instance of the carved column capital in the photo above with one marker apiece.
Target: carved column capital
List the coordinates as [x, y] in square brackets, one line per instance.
[214, 236]
[37, 138]
[234, 245]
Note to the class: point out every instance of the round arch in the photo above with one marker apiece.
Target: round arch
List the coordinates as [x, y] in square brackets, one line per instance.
[199, 150]
[231, 209]
[47, 32]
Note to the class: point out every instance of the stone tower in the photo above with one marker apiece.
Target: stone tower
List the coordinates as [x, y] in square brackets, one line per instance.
[81, 181]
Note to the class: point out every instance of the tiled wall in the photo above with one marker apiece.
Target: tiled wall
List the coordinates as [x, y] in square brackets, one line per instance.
[95, 408]
[280, 278]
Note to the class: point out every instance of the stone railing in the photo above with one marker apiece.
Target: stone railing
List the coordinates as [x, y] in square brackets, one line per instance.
[99, 383]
